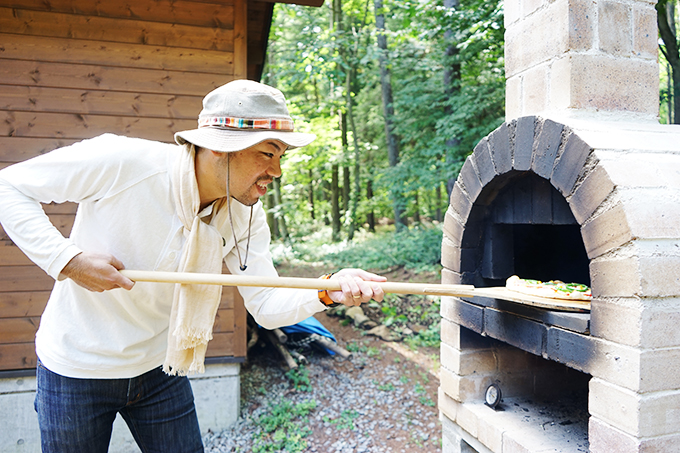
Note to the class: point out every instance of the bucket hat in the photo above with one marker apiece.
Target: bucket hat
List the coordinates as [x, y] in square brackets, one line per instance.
[242, 114]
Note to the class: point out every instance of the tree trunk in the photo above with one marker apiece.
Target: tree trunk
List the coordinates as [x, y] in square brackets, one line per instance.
[357, 167]
[667, 30]
[388, 108]
[335, 203]
[416, 202]
[438, 197]
[310, 189]
[281, 220]
[370, 217]
[451, 86]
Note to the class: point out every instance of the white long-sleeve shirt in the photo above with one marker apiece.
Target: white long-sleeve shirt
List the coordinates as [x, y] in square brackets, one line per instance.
[125, 208]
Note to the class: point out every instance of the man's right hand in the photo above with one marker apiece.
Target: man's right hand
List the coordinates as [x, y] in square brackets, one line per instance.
[97, 272]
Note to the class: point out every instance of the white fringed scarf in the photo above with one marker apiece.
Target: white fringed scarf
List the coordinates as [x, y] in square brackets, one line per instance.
[194, 306]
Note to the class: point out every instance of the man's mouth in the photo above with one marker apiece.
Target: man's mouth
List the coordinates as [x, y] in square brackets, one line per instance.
[262, 186]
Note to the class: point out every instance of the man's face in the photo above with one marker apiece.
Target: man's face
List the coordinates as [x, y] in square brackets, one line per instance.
[251, 170]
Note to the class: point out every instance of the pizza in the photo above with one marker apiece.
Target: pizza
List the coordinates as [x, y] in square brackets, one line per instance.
[554, 289]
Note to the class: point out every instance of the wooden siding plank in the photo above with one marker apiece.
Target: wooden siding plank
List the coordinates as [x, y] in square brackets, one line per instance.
[63, 222]
[240, 39]
[240, 327]
[23, 303]
[18, 330]
[76, 126]
[222, 345]
[36, 99]
[25, 278]
[202, 13]
[92, 77]
[11, 255]
[19, 356]
[224, 321]
[115, 54]
[19, 149]
[59, 25]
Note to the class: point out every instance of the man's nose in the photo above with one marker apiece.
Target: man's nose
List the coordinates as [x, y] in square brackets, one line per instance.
[274, 168]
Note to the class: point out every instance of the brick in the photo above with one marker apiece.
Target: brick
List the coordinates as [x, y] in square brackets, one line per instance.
[547, 144]
[503, 208]
[645, 34]
[652, 213]
[450, 277]
[570, 164]
[521, 202]
[660, 275]
[499, 145]
[498, 252]
[463, 313]
[467, 419]
[450, 254]
[613, 321]
[615, 405]
[470, 180]
[524, 143]
[562, 214]
[614, 27]
[460, 202]
[594, 189]
[604, 438]
[483, 162]
[490, 433]
[606, 232]
[453, 229]
[519, 332]
[541, 201]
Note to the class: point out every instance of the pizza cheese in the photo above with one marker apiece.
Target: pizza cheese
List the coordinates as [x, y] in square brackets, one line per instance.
[554, 289]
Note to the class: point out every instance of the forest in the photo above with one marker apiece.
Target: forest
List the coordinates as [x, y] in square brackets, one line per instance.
[398, 93]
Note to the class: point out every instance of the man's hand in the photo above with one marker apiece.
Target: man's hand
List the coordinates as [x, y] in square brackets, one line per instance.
[356, 287]
[97, 272]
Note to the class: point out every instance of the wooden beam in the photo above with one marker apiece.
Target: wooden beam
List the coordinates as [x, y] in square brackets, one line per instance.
[19, 304]
[18, 356]
[240, 39]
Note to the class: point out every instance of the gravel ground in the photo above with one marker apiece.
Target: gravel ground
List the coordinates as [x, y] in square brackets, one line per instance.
[376, 401]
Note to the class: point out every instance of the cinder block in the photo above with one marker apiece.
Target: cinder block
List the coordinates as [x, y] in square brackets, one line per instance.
[470, 178]
[594, 189]
[616, 363]
[632, 84]
[535, 89]
[513, 94]
[611, 320]
[467, 419]
[450, 254]
[468, 362]
[525, 334]
[652, 213]
[463, 313]
[499, 145]
[645, 36]
[463, 388]
[447, 405]
[463, 339]
[615, 23]
[483, 162]
[659, 370]
[660, 275]
[547, 144]
[530, 6]
[606, 232]
[570, 164]
[581, 14]
[640, 415]
[450, 277]
[604, 438]
[524, 143]
[512, 12]
[615, 277]
[490, 433]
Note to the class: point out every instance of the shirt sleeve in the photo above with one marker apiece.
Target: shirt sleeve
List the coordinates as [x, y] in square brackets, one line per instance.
[270, 307]
[81, 172]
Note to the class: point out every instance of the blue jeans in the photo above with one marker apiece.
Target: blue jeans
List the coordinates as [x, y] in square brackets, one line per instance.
[76, 415]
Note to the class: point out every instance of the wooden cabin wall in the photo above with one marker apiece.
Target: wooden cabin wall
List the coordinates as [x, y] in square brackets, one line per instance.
[74, 69]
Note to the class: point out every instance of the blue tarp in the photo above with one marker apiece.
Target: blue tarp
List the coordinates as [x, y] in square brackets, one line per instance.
[309, 326]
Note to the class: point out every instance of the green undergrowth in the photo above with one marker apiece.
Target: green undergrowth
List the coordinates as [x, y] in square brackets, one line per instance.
[284, 427]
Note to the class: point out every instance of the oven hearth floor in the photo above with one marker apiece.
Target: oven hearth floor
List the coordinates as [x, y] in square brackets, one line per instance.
[525, 425]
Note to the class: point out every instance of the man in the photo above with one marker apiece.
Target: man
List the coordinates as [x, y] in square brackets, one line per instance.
[107, 345]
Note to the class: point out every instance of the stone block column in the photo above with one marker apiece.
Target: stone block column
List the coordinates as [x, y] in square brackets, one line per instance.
[568, 57]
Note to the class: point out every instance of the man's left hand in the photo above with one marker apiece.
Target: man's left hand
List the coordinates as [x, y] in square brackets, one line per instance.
[357, 287]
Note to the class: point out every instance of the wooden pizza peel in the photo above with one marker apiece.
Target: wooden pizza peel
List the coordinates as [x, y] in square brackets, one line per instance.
[332, 285]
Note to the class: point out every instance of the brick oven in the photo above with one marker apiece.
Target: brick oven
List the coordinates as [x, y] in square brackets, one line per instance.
[580, 184]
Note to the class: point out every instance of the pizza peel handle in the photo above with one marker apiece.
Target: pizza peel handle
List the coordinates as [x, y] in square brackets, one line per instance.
[292, 282]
